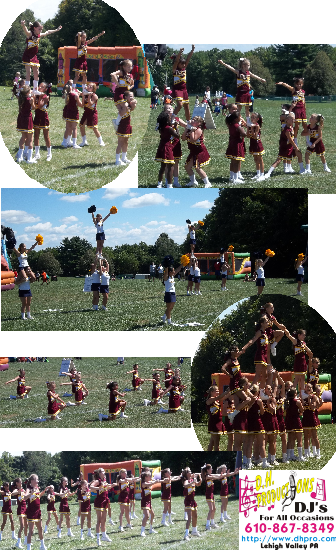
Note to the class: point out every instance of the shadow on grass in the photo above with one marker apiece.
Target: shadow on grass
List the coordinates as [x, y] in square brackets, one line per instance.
[92, 165]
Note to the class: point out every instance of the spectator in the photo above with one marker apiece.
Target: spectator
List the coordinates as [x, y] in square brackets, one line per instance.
[152, 270]
[207, 94]
[251, 92]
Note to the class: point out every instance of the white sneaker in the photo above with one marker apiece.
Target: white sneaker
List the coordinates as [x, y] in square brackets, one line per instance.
[222, 520]
[142, 534]
[18, 544]
[83, 144]
[152, 532]
[207, 185]
[214, 526]
[111, 522]
[302, 170]
[207, 528]
[98, 542]
[197, 534]
[227, 517]
[275, 463]
[327, 169]
[190, 184]
[186, 537]
[164, 318]
[90, 536]
[37, 156]
[102, 144]
[266, 465]
[106, 538]
[115, 125]
[309, 172]
[82, 536]
[146, 402]
[31, 161]
[159, 186]
[129, 526]
[164, 524]
[124, 416]
[75, 146]
[127, 161]
[135, 516]
[120, 163]
[49, 157]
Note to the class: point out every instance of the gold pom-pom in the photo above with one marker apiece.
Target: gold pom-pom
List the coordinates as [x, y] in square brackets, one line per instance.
[270, 253]
[39, 239]
[184, 260]
[231, 248]
[301, 256]
[200, 223]
[113, 210]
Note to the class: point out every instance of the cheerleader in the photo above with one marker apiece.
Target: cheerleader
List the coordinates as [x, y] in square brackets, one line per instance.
[235, 150]
[224, 492]
[116, 405]
[124, 82]
[180, 93]
[312, 373]
[77, 484]
[104, 282]
[255, 430]
[25, 125]
[41, 121]
[72, 117]
[260, 281]
[168, 372]
[175, 397]
[64, 493]
[20, 493]
[294, 410]
[165, 154]
[90, 115]
[216, 427]
[239, 416]
[131, 496]
[224, 273]
[209, 477]
[101, 486]
[287, 147]
[300, 351]
[176, 143]
[29, 59]
[315, 144]
[274, 336]
[190, 481]
[51, 496]
[270, 423]
[300, 272]
[157, 391]
[16, 84]
[256, 147]
[260, 359]
[55, 403]
[190, 276]
[22, 390]
[298, 104]
[124, 130]
[317, 393]
[146, 502]
[24, 270]
[198, 153]
[7, 510]
[80, 67]
[280, 413]
[136, 381]
[166, 482]
[228, 408]
[34, 517]
[98, 222]
[192, 238]
[123, 483]
[81, 391]
[309, 422]
[25, 296]
[170, 295]
[85, 508]
[231, 367]
[72, 376]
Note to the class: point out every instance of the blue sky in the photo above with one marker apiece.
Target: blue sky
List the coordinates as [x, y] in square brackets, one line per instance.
[142, 214]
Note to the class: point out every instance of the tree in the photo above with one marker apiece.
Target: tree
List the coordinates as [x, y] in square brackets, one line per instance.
[70, 251]
[164, 245]
[12, 48]
[125, 262]
[47, 262]
[320, 76]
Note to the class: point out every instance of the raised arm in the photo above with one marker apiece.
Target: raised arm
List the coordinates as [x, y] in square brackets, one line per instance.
[286, 86]
[177, 59]
[290, 337]
[190, 55]
[108, 215]
[257, 77]
[228, 66]
[250, 342]
[32, 247]
[51, 31]
[25, 30]
[95, 37]
[14, 380]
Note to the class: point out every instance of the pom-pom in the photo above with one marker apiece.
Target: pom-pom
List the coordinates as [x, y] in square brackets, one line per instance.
[222, 250]
[270, 253]
[188, 222]
[184, 260]
[168, 261]
[113, 210]
[301, 256]
[39, 239]
[200, 223]
[92, 209]
[10, 243]
[231, 248]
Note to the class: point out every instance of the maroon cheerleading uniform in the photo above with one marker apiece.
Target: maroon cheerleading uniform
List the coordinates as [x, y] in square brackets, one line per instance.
[300, 364]
[224, 488]
[166, 491]
[41, 119]
[79, 494]
[169, 373]
[64, 505]
[165, 150]
[215, 422]
[280, 415]
[146, 498]
[33, 508]
[30, 54]
[123, 86]
[180, 86]
[73, 382]
[239, 423]
[85, 502]
[7, 507]
[270, 421]
[90, 115]
[313, 136]
[243, 88]
[156, 390]
[51, 503]
[124, 127]
[209, 490]
[235, 150]
[318, 421]
[80, 66]
[53, 405]
[256, 147]
[286, 148]
[189, 501]
[21, 386]
[292, 420]
[136, 382]
[313, 378]
[234, 370]
[131, 494]
[114, 405]
[228, 425]
[123, 497]
[72, 113]
[21, 504]
[79, 392]
[174, 399]
[25, 118]
[101, 500]
[254, 422]
[260, 357]
[65, 110]
[308, 417]
[198, 153]
[300, 108]
[269, 331]
[176, 143]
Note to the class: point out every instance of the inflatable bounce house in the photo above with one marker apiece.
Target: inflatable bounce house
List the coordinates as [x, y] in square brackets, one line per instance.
[324, 412]
[133, 467]
[102, 61]
[7, 275]
[4, 363]
[240, 264]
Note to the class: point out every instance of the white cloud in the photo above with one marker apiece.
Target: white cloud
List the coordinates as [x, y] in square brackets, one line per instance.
[152, 223]
[18, 216]
[203, 204]
[149, 199]
[176, 202]
[47, 226]
[69, 219]
[75, 198]
[112, 193]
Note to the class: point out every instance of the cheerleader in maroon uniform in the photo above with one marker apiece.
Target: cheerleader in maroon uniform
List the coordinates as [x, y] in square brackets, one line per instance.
[300, 351]
[72, 376]
[101, 503]
[317, 393]
[168, 372]
[85, 508]
[77, 484]
[51, 496]
[41, 121]
[309, 422]
[180, 93]
[123, 483]
[313, 134]
[244, 75]
[270, 422]
[175, 397]
[7, 510]
[176, 143]
[29, 58]
[288, 149]
[239, 416]
[123, 82]
[55, 403]
[228, 407]
[216, 426]
[298, 105]
[231, 367]
[146, 502]
[274, 336]
[190, 481]
[131, 496]
[22, 390]
[280, 413]
[80, 67]
[235, 150]
[157, 391]
[116, 406]
[260, 359]
[64, 493]
[72, 102]
[90, 115]
[224, 492]
[198, 153]
[293, 411]
[124, 130]
[255, 429]
[81, 391]
[19, 492]
[25, 125]
[165, 154]
[256, 147]
[137, 381]
[166, 481]
[34, 517]
[209, 478]
[312, 373]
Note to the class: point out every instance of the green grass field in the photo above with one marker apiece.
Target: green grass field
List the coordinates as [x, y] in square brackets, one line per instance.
[167, 537]
[74, 170]
[216, 142]
[96, 373]
[132, 305]
[326, 435]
